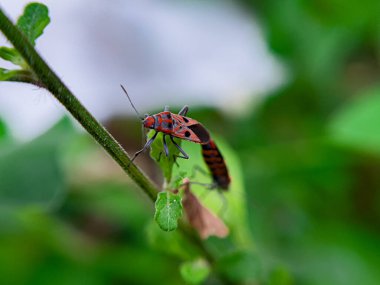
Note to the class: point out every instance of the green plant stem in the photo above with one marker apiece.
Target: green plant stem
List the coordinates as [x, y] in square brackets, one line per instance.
[52, 82]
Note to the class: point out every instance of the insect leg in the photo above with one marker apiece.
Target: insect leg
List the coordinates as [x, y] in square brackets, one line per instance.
[146, 146]
[199, 169]
[184, 110]
[165, 146]
[185, 156]
[224, 206]
[159, 157]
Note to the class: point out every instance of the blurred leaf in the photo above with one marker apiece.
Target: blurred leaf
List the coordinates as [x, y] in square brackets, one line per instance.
[4, 132]
[127, 263]
[361, 17]
[326, 47]
[44, 247]
[12, 55]
[168, 210]
[357, 124]
[240, 266]
[280, 276]
[345, 254]
[30, 174]
[33, 21]
[329, 45]
[106, 209]
[195, 272]
[157, 152]
[58, 135]
[174, 242]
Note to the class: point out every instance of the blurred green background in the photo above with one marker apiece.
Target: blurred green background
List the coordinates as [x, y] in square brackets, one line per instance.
[310, 161]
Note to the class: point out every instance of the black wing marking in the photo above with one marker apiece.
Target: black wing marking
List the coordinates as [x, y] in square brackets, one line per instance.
[201, 133]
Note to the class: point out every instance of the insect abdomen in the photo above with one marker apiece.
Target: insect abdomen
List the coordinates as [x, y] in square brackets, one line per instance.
[215, 162]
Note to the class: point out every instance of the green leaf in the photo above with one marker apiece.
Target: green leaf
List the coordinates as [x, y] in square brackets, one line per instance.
[4, 132]
[12, 55]
[280, 276]
[31, 174]
[357, 124]
[157, 152]
[174, 243]
[19, 75]
[168, 210]
[62, 132]
[6, 74]
[240, 266]
[195, 272]
[33, 21]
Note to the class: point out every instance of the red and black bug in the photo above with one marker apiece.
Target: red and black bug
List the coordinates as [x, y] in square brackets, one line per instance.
[172, 125]
[216, 164]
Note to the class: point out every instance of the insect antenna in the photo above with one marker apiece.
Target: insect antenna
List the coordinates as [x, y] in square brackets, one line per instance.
[130, 101]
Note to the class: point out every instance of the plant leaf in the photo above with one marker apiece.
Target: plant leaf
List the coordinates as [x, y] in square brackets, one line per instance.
[201, 219]
[357, 124]
[280, 275]
[168, 210]
[12, 55]
[4, 132]
[33, 21]
[31, 173]
[240, 266]
[157, 152]
[6, 74]
[20, 75]
[174, 243]
[195, 272]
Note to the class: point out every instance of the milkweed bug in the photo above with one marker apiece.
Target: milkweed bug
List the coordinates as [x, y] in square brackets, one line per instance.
[172, 125]
[216, 164]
